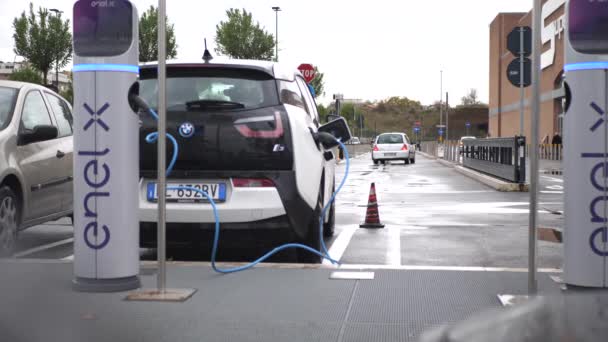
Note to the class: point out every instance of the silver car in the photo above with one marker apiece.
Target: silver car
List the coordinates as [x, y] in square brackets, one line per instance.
[35, 159]
[393, 146]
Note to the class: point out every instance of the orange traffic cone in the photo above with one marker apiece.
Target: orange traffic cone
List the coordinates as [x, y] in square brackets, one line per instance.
[372, 217]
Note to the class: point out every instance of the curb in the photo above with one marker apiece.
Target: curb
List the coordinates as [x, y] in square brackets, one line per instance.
[445, 163]
[492, 182]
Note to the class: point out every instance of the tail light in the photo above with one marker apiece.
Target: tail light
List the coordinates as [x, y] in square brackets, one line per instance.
[252, 183]
[376, 148]
[404, 148]
[257, 127]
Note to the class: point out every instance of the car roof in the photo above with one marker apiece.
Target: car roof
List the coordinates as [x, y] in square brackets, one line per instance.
[276, 70]
[26, 85]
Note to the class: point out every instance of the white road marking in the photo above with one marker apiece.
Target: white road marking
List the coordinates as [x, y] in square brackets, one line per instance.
[43, 247]
[338, 248]
[69, 258]
[554, 179]
[445, 268]
[555, 187]
[551, 192]
[393, 251]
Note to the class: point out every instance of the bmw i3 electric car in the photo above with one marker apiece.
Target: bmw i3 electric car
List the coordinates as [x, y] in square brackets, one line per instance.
[393, 146]
[245, 131]
[35, 159]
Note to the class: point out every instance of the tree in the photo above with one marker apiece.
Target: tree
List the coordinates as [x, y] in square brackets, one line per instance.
[68, 93]
[239, 38]
[470, 98]
[323, 112]
[42, 39]
[26, 74]
[148, 37]
[318, 84]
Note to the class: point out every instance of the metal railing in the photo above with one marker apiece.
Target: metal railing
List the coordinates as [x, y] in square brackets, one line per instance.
[500, 157]
[549, 152]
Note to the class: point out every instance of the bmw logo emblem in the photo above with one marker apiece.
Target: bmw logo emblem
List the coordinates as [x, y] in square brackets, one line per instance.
[186, 130]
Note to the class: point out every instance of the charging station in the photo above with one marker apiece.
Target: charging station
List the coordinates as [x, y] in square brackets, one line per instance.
[106, 146]
[586, 144]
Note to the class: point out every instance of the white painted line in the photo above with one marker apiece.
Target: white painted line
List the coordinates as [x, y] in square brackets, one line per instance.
[551, 192]
[554, 179]
[445, 268]
[338, 248]
[43, 247]
[393, 252]
[69, 258]
[352, 275]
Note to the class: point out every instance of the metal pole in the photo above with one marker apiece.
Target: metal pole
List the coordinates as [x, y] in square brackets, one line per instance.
[162, 163]
[521, 81]
[441, 102]
[447, 120]
[276, 10]
[536, 79]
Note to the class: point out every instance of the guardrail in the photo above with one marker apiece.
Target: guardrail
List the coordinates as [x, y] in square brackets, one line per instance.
[500, 157]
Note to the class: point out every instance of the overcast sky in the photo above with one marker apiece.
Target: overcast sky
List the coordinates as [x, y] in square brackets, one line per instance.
[367, 49]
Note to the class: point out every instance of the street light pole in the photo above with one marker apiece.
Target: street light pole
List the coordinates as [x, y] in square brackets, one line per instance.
[276, 36]
[57, 14]
[440, 103]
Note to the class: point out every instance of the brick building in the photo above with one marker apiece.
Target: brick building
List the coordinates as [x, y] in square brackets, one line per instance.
[504, 97]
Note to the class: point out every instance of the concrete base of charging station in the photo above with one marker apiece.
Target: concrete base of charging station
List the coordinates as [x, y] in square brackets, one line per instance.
[267, 303]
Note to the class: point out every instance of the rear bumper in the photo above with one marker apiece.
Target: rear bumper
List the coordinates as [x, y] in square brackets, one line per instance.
[241, 205]
[244, 208]
[391, 155]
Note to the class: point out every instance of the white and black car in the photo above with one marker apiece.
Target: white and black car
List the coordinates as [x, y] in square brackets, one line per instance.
[246, 135]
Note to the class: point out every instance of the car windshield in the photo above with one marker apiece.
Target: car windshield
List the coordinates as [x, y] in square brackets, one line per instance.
[7, 104]
[390, 139]
[214, 90]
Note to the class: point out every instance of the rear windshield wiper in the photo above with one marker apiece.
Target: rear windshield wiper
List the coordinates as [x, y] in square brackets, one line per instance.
[214, 104]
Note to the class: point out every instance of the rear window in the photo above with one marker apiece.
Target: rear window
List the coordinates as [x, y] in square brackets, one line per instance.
[211, 88]
[8, 96]
[390, 139]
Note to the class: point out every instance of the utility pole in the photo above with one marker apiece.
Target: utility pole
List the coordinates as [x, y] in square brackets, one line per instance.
[57, 15]
[447, 120]
[440, 103]
[276, 9]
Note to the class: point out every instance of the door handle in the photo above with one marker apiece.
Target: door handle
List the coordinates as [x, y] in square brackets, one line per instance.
[60, 154]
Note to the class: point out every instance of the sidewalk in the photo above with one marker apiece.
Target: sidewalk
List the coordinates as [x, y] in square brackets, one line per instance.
[264, 304]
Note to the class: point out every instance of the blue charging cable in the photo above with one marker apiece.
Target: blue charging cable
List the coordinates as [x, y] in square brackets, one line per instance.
[153, 137]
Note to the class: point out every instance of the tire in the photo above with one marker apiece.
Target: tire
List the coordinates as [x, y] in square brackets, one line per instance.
[330, 227]
[375, 161]
[407, 161]
[383, 162]
[312, 238]
[413, 161]
[10, 211]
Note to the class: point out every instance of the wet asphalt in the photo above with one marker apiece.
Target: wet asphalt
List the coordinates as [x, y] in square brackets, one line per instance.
[433, 216]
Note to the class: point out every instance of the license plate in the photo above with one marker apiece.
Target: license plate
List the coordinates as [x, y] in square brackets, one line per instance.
[217, 191]
[390, 154]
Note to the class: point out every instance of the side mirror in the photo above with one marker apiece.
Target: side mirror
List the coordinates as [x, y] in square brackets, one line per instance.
[336, 129]
[39, 133]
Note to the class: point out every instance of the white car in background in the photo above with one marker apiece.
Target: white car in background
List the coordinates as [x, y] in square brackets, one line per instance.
[393, 146]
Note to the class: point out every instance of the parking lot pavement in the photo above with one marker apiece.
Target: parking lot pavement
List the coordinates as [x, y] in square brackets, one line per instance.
[435, 216]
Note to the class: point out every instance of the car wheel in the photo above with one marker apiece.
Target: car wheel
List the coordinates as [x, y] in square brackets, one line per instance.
[413, 161]
[312, 238]
[330, 227]
[383, 162]
[407, 161]
[375, 161]
[10, 209]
